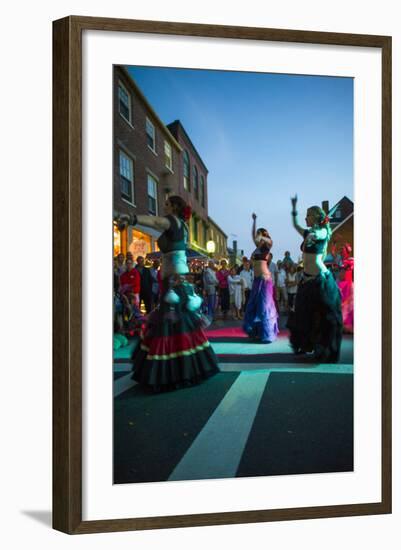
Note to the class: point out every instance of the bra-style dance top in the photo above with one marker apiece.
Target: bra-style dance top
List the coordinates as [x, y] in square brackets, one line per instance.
[175, 237]
[173, 243]
[261, 253]
[311, 244]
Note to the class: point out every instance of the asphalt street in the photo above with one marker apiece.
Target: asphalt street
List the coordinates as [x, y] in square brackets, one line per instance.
[267, 412]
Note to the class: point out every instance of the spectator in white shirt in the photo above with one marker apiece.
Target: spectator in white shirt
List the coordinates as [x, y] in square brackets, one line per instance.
[246, 275]
[241, 267]
[235, 285]
[210, 284]
[292, 285]
[281, 289]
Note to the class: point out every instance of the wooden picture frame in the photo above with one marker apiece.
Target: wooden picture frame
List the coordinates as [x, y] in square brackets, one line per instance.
[67, 273]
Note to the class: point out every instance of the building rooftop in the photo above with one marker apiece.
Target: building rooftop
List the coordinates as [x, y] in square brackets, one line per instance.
[216, 225]
[173, 127]
[341, 201]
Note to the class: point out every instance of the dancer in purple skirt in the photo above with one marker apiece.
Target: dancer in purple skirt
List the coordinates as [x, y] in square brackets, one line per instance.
[261, 320]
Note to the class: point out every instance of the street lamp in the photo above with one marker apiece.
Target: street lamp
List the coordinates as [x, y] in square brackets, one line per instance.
[211, 247]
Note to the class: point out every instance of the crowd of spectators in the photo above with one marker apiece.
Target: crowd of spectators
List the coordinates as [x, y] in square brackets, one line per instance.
[225, 289]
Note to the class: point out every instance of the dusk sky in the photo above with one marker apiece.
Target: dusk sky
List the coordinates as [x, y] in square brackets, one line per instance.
[263, 137]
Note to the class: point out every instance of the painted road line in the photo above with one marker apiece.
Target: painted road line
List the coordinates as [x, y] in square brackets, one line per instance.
[326, 368]
[281, 345]
[123, 384]
[250, 348]
[217, 450]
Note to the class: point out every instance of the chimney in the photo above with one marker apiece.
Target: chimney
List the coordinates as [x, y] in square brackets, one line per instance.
[235, 248]
[325, 206]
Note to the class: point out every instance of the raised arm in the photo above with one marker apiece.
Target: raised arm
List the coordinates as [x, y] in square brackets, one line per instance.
[294, 215]
[267, 240]
[254, 227]
[156, 222]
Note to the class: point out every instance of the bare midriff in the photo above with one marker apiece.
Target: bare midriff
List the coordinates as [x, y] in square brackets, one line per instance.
[260, 269]
[174, 263]
[313, 263]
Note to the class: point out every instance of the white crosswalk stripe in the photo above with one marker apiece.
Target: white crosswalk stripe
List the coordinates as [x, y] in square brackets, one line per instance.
[217, 450]
[326, 368]
[123, 384]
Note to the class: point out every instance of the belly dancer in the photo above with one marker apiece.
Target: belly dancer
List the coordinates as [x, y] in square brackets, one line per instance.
[173, 351]
[316, 324]
[261, 320]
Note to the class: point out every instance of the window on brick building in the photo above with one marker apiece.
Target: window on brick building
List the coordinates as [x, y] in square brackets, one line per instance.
[152, 195]
[124, 102]
[150, 135]
[168, 155]
[202, 191]
[196, 182]
[126, 177]
[338, 213]
[187, 185]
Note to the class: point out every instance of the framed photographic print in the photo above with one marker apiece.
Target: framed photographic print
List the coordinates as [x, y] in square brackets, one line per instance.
[222, 275]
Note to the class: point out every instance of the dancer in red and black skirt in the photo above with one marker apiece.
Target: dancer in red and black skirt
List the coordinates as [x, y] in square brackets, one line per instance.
[316, 324]
[173, 351]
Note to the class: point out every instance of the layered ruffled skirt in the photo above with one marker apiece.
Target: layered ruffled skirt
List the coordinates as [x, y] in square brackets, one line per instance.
[174, 351]
[261, 319]
[316, 324]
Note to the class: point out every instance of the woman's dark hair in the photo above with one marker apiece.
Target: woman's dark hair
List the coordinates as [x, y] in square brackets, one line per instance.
[323, 221]
[264, 234]
[179, 205]
[320, 215]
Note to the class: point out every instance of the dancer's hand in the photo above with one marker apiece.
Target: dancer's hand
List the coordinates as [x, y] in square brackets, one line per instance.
[254, 216]
[294, 201]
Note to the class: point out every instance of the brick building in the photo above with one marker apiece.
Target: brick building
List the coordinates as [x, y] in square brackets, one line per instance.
[192, 186]
[152, 161]
[217, 235]
[146, 162]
